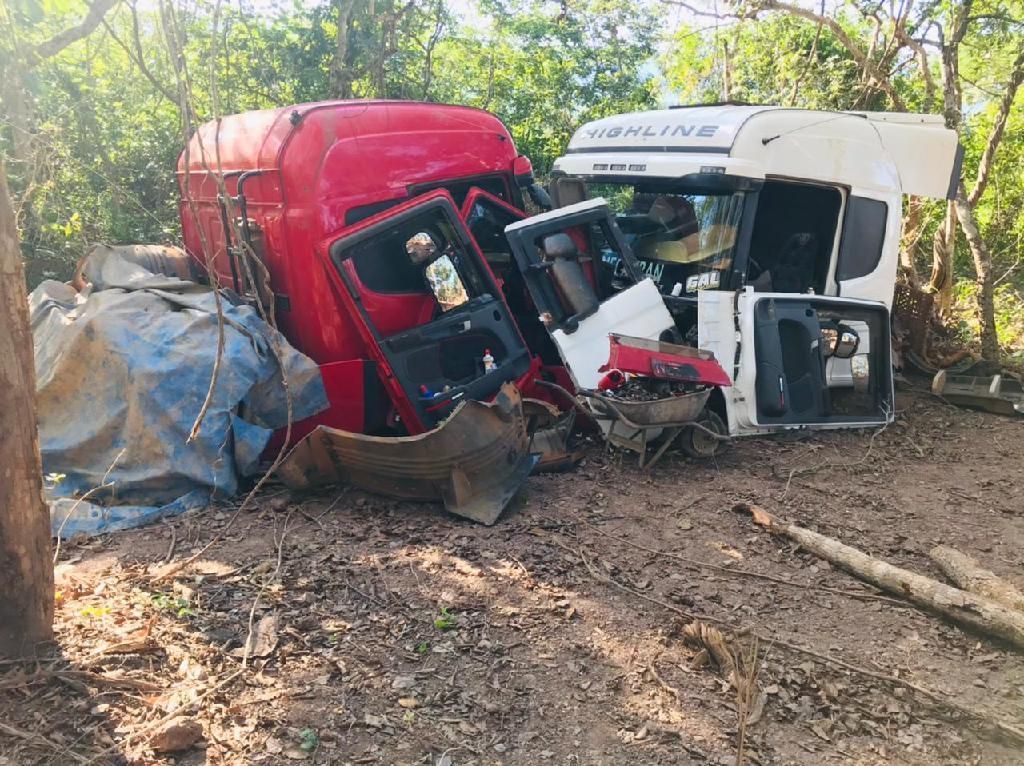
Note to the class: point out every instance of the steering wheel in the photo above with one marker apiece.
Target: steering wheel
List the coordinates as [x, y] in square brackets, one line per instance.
[754, 269]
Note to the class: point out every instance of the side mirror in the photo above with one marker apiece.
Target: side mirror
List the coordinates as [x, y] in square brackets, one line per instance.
[839, 340]
[860, 369]
[421, 247]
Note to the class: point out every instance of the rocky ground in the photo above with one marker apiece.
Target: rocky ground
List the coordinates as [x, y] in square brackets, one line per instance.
[349, 629]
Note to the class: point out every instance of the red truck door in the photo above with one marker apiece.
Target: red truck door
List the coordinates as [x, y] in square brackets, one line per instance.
[428, 307]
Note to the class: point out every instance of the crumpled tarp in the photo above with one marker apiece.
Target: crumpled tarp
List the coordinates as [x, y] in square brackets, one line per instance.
[122, 370]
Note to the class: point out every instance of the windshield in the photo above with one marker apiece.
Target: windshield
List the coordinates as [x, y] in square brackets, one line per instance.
[685, 241]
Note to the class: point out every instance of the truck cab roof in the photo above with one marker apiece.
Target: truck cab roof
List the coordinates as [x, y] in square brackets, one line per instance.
[870, 151]
[359, 148]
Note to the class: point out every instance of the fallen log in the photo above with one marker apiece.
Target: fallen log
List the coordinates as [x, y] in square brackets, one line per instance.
[977, 612]
[965, 572]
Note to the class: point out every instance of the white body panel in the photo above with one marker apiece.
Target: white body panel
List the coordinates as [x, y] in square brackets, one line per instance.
[922, 148]
[637, 311]
[556, 214]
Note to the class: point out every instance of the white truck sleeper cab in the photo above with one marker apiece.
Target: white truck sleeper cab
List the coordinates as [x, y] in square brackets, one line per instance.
[770, 233]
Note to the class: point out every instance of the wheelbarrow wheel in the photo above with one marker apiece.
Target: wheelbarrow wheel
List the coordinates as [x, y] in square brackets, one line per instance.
[698, 444]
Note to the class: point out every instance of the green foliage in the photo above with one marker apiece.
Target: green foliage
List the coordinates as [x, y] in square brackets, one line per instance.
[544, 70]
[778, 60]
[91, 136]
[106, 127]
[445, 620]
[1009, 302]
[181, 607]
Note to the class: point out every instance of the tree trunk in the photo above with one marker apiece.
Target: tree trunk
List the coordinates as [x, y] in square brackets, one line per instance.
[912, 224]
[26, 569]
[726, 71]
[983, 270]
[341, 75]
[977, 612]
[943, 248]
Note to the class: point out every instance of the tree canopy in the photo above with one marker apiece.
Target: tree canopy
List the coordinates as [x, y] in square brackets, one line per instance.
[93, 111]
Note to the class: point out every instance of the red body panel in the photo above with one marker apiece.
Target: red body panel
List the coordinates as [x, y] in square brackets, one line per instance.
[318, 163]
[666, 361]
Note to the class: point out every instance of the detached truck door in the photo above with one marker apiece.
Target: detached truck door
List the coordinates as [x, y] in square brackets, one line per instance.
[799, 361]
[428, 309]
[581, 310]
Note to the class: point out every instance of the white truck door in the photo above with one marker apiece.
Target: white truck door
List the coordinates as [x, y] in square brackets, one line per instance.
[565, 256]
[785, 362]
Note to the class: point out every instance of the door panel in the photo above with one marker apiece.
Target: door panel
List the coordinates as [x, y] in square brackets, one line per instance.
[785, 376]
[486, 217]
[434, 310]
[580, 308]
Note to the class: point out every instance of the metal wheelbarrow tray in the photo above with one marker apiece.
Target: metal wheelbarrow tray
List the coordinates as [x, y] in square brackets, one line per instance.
[634, 425]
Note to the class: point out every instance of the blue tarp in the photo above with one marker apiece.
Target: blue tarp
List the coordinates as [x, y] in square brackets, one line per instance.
[122, 370]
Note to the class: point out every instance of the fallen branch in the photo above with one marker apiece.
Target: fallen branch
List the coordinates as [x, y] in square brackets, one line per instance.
[965, 572]
[30, 736]
[981, 614]
[109, 681]
[1008, 730]
[738, 572]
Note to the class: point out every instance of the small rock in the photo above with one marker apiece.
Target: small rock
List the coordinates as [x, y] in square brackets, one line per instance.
[403, 682]
[685, 524]
[500, 747]
[280, 502]
[296, 754]
[274, 745]
[178, 734]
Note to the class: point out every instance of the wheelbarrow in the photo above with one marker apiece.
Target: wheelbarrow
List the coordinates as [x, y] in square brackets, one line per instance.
[634, 425]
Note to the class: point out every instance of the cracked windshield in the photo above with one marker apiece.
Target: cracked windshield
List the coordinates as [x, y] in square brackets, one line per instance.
[683, 241]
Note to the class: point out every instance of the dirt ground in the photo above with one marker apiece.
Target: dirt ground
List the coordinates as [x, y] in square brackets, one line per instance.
[392, 633]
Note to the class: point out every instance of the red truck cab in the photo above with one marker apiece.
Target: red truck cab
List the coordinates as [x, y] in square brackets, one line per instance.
[345, 219]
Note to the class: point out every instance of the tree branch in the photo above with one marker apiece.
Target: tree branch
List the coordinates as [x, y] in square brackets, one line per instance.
[136, 57]
[859, 56]
[930, 90]
[62, 40]
[996, 136]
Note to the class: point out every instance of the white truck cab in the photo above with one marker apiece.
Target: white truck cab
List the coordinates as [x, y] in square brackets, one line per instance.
[773, 237]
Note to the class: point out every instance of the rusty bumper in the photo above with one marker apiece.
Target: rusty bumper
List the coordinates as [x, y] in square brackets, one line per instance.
[474, 462]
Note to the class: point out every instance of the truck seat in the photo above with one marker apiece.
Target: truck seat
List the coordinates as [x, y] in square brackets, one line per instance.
[568, 275]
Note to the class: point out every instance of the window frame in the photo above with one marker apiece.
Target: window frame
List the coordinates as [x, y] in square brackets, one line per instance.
[340, 249]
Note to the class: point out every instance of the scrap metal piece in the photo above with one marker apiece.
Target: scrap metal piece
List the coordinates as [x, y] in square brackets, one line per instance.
[474, 462]
[658, 413]
[636, 425]
[665, 361]
[550, 430]
[992, 393]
